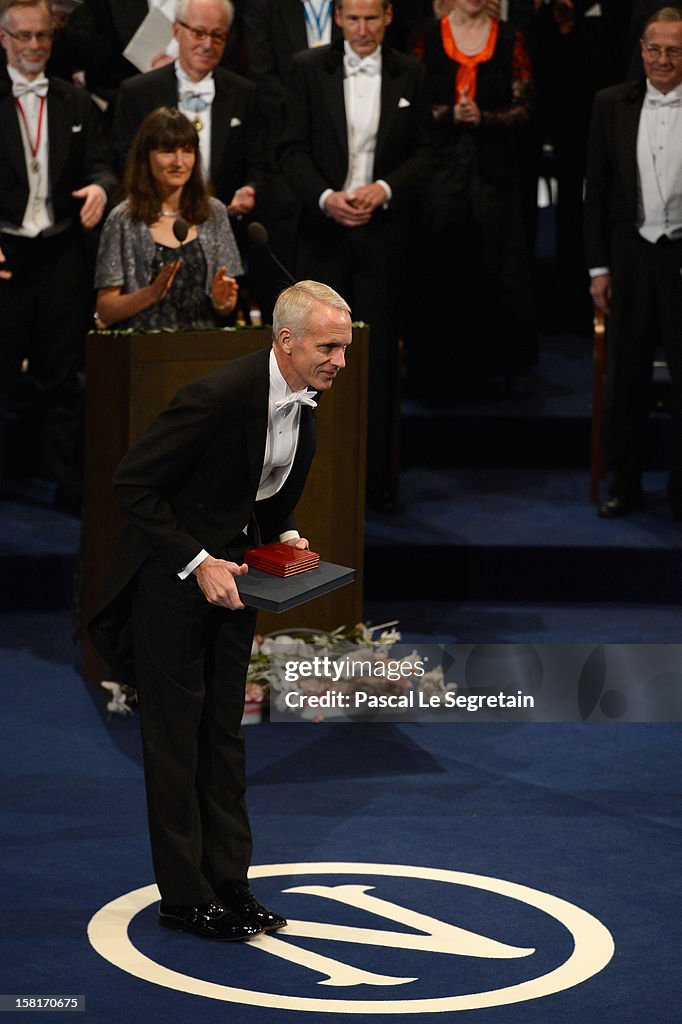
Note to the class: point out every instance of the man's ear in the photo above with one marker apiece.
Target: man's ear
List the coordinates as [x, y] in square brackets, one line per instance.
[284, 340]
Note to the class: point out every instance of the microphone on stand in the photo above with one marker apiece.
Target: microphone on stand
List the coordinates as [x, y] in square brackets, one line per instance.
[258, 236]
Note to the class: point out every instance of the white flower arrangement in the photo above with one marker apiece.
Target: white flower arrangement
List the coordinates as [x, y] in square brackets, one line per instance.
[350, 661]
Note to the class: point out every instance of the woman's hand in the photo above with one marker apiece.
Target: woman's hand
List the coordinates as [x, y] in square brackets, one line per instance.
[161, 284]
[113, 304]
[224, 292]
[467, 112]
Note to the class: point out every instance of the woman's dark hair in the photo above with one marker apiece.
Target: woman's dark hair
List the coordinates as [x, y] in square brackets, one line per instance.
[164, 128]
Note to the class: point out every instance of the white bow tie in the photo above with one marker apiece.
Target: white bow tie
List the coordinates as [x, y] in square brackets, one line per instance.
[297, 398]
[354, 65]
[38, 86]
[664, 100]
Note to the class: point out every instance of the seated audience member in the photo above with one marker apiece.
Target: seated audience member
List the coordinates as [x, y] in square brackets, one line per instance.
[146, 276]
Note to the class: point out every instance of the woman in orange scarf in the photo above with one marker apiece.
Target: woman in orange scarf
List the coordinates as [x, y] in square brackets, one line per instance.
[479, 81]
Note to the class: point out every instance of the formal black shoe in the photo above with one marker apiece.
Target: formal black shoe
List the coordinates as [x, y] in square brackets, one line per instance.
[618, 506]
[209, 920]
[241, 901]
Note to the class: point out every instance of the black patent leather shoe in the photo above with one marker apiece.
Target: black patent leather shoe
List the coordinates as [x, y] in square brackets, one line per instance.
[618, 506]
[241, 901]
[209, 920]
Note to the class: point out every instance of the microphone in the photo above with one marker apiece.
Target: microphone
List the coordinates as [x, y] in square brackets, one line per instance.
[258, 236]
[180, 230]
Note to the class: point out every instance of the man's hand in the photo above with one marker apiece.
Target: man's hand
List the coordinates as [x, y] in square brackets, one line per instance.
[215, 577]
[243, 201]
[369, 197]
[600, 290]
[159, 60]
[298, 542]
[342, 207]
[92, 209]
[4, 273]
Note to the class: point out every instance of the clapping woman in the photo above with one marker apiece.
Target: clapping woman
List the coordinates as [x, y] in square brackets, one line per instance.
[146, 277]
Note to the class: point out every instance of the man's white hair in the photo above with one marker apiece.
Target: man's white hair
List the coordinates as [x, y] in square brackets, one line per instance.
[182, 5]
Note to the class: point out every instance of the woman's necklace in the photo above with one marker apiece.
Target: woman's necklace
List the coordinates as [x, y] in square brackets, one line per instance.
[168, 213]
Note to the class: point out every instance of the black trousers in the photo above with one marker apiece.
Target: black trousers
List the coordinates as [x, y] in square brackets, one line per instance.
[191, 661]
[646, 313]
[45, 308]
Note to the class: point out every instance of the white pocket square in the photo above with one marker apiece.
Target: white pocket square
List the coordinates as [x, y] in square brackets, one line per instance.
[235, 122]
[76, 127]
[402, 102]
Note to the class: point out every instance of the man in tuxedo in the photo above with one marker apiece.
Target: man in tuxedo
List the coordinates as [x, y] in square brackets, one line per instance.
[356, 149]
[105, 27]
[633, 233]
[274, 30]
[54, 184]
[223, 467]
[220, 103]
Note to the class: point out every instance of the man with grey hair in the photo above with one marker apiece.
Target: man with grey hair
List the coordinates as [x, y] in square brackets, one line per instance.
[633, 234]
[54, 184]
[221, 468]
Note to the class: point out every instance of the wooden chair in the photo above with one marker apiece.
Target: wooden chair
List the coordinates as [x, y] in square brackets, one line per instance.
[599, 361]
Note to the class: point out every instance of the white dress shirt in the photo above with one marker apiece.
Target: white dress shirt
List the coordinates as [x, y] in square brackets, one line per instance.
[201, 94]
[362, 99]
[659, 164]
[38, 214]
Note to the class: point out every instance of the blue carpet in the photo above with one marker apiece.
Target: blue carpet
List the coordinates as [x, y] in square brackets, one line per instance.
[462, 815]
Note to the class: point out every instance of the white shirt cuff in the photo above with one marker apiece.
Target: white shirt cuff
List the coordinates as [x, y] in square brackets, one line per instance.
[191, 566]
[288, 535]
[599, 271]
[387, 189]
[323, 199]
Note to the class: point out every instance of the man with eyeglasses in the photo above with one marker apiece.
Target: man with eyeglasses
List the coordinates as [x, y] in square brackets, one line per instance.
[220, 103]
[54, 184]
[633, 232]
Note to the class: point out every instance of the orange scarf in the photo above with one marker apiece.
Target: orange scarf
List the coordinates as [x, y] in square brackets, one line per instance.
[467, 72]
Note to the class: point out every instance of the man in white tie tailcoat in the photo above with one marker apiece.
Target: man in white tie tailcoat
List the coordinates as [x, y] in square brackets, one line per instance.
[54, 184]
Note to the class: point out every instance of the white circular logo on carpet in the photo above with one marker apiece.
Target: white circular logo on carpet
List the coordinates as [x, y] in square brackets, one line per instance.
[592, 950]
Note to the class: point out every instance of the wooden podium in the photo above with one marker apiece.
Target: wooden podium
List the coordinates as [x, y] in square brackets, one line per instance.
[131, 377]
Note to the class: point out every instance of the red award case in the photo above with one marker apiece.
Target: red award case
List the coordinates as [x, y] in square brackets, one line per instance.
[281, 559]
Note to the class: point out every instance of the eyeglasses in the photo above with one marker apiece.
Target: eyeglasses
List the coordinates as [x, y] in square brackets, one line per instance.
[44, 36]
[654, 50]
[200, 34]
